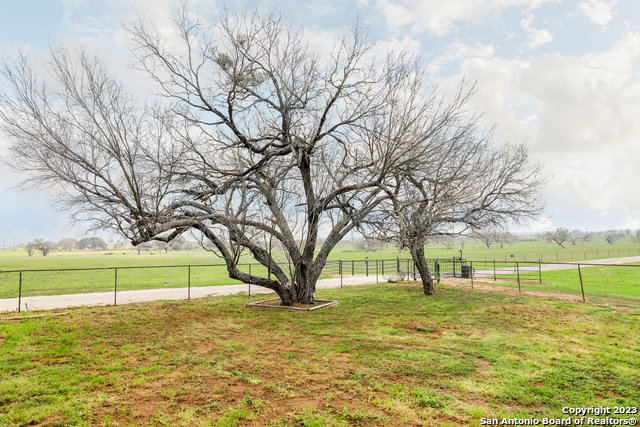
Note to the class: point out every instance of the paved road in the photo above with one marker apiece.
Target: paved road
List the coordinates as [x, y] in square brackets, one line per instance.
[53, 302]
[527, 267]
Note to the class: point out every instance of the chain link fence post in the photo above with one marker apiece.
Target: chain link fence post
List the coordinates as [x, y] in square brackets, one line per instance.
[540, 271]
[115, 286]
[581, 286]
[19, 290]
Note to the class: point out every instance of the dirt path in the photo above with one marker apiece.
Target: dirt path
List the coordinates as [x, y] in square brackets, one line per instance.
[466, 283]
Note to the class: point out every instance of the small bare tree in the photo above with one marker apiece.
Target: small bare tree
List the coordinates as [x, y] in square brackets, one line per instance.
[460, 180]
[462, 240]
[487, 237]
[575, 236]
[504, 237]
[369, 244]
[560, 236]
[612, 236]
[30, 248]
[448, 241]
[67, 244]
[45, 247]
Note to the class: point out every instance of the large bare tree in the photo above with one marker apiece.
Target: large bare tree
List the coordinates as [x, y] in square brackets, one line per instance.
[461, 180]
[256, 138]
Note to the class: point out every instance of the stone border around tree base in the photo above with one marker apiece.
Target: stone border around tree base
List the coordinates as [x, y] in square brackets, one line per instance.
[271, 303]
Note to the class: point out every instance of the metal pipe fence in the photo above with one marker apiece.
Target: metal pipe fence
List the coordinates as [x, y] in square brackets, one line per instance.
[24, 289]
[616, 284]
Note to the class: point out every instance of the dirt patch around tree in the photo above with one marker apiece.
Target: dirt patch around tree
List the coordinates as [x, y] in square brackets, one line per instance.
[276, 303]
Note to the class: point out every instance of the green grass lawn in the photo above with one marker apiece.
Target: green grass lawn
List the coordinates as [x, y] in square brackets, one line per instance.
[386, 355]
[611, 284]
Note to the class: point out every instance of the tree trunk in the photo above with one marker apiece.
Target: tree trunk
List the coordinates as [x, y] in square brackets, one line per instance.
[305, 284]
[417, 253]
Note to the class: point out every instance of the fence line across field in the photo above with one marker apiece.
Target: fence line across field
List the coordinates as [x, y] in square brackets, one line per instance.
[96, 283]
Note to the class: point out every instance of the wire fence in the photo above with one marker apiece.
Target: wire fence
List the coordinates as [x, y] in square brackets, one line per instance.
[617, 284]
[566, 254]
[22, 290]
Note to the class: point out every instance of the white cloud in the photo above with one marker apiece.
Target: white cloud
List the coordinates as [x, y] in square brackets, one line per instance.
[441, 17]
[395, 45]
[578, 115]
[459, 50]
[538, 38]
[535, 37]
[598, 11]
[589, 101]
[396, 14]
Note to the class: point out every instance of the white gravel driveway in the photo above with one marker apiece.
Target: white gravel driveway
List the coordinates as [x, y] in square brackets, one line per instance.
[54, 302]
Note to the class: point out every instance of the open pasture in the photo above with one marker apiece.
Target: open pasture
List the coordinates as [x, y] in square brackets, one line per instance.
[523, 250]
[386, 355]
[618, 285]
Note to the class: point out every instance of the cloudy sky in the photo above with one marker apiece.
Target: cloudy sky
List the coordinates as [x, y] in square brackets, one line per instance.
[562, 77]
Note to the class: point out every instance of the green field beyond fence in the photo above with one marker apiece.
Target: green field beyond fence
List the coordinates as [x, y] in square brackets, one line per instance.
[614, 284]
[525, 250]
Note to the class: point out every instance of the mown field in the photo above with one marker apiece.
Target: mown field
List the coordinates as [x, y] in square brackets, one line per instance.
[386, 355]
[524, 250]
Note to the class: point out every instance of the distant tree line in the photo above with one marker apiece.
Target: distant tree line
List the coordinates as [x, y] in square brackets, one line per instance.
[562, 236]
[68, 244]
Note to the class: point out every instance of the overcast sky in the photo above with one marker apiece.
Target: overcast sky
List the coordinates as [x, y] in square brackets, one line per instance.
[562, 77]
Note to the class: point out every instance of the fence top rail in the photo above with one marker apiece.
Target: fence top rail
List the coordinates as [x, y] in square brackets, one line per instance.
[580, 263]
[175, 266]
